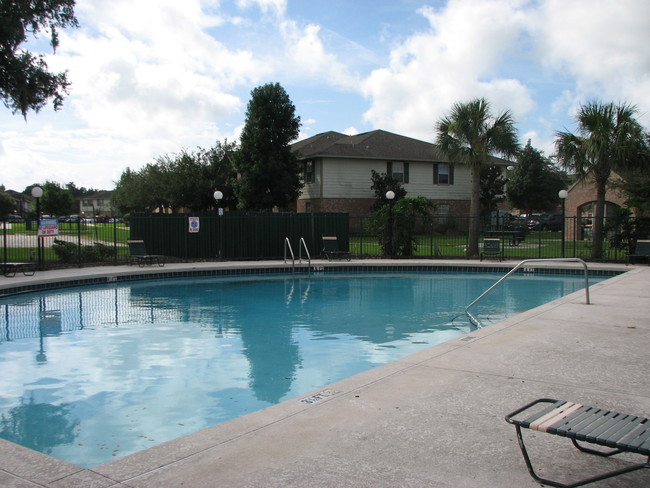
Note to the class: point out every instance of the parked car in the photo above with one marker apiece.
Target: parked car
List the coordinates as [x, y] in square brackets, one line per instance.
[15, 219]
[69, 219]
[532, 221]
[552, 222]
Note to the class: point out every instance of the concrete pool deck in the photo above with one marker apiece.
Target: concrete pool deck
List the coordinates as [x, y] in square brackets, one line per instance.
[434, 418]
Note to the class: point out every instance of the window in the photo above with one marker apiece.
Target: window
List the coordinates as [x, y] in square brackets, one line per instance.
[443, 174]
[398, 170]
[309, 171]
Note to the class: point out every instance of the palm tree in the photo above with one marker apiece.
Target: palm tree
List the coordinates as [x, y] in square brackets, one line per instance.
[470, 134]
[609, 139]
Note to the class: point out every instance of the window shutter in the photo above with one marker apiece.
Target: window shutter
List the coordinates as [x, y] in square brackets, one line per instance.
[406, 172]
[451, 174]
[435, 173]
[389, 168]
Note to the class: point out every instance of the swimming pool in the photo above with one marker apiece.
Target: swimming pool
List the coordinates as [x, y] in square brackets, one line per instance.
[91, 374]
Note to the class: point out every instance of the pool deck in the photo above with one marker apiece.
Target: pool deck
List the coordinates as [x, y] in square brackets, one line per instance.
[434, 418]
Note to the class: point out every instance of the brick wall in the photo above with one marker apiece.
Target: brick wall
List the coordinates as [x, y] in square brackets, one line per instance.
[361, 207]
[584, 192]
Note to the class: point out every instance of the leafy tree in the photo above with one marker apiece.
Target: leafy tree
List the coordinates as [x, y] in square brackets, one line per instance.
[57, 200]
[609, 138]
[179, 181]
[624, 231]
[7, 203]
[470, 134]
[270, 175]
[80, 192]
[129, 195]
[396, 226]
[381, 183]
[635, 185]
[25, 82]
[493, 185]
[533, 185]
[192, 178]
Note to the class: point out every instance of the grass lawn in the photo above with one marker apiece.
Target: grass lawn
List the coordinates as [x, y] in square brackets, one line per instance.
[537, 245]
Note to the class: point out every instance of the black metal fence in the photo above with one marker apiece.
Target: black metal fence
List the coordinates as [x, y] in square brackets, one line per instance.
[259, 236]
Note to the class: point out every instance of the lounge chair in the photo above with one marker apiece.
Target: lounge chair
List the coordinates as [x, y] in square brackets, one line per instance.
[642, 251]
[10, 269]
[138, 252]
[622, 433]
[491, 247]
[331, 249]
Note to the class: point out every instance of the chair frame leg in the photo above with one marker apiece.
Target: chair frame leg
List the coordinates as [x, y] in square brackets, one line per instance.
[585, 481]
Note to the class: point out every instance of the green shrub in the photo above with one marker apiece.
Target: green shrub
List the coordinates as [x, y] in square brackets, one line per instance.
[69, 252]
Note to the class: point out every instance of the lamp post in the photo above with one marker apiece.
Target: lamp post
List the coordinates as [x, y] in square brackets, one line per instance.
[218, 195]
[563, 194]
[390, 196]
[37, 193]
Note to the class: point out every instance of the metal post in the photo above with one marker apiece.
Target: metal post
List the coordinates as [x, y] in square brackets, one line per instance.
[390, 229]
[39, 239]
[563, 226]
[390, 195]
[563, 194]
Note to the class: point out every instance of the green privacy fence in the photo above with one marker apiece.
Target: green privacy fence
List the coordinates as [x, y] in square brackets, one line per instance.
[236, 235]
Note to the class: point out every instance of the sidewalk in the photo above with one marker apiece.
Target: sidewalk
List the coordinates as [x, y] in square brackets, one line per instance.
[434, 418]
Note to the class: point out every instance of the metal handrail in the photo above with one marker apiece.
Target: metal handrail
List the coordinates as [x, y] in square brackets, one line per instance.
[300, 246]
[287, 243]
[478, 323]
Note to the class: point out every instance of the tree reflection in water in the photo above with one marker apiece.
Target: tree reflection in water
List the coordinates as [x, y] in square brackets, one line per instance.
[38, 426]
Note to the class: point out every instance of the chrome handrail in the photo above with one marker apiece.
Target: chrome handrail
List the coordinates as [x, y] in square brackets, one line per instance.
[300, 246]
[287, 243]
[478, 323]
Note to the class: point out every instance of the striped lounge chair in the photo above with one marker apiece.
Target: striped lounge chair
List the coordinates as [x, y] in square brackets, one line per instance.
[596, 426]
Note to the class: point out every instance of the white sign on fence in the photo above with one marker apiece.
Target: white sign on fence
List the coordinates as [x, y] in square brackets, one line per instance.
[193, 224]
[48, 227]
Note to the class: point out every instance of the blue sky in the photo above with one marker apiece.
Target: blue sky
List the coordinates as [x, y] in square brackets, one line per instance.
[154, 77]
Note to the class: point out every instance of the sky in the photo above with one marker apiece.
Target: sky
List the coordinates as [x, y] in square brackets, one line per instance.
[156, 77]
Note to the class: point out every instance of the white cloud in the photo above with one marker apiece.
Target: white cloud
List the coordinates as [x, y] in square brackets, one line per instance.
[601, 44]
[454, 61]
[305, 49]
[145, 82]
[151, 78]
[277, 7]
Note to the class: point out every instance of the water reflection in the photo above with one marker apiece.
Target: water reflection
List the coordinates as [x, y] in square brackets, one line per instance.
[96, 373]
[38, 426]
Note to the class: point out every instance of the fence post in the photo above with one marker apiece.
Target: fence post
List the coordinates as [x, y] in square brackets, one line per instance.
[79, 242]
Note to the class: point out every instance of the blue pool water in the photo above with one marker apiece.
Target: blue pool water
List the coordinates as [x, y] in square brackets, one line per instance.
[95, 373]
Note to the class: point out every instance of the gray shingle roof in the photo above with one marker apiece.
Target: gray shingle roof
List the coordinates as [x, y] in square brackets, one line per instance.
[376, 144]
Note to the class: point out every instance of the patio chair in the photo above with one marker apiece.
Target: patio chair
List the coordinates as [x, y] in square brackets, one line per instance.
[331, 249]
[491, 247]
[138, 252]
[620, 432]
[642, 251]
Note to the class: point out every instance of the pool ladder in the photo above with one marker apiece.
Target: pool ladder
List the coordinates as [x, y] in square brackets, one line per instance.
[477, 323]
[301, 245]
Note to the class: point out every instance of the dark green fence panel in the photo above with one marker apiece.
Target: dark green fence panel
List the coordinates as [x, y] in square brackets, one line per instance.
[236, 235]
